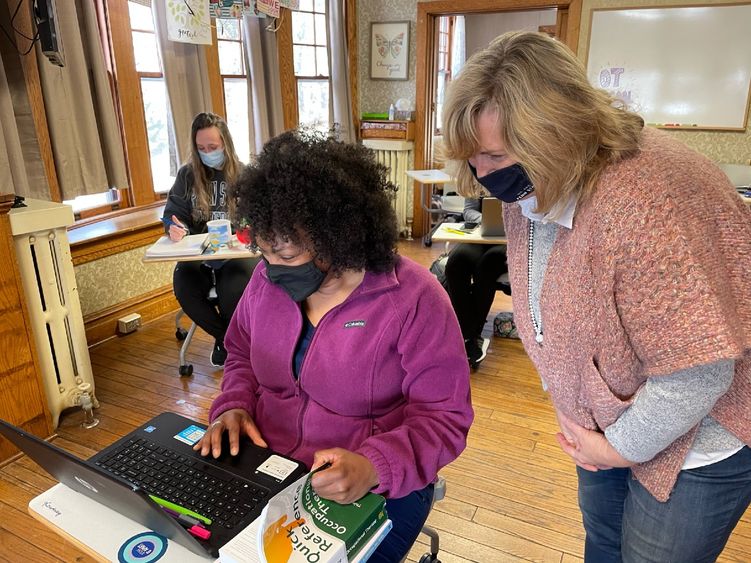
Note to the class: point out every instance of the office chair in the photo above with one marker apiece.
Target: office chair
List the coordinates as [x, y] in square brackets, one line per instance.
[185, 369]
[439, 491]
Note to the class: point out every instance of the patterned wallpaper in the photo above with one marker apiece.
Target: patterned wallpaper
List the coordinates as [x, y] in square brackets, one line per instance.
[377, 95]
[111, 280]
[720, 146]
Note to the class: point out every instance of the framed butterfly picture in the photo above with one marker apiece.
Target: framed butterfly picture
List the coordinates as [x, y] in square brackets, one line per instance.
[389, 50]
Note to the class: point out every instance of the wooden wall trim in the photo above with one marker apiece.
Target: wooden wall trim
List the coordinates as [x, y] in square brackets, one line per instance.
[352, 56]
[216, 85]
[30, 67]
[131, 104]
[287, 69]
[101, 248]
[102, 325]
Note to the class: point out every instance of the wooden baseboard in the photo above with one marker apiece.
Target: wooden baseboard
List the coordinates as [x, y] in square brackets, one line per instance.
[102, 325]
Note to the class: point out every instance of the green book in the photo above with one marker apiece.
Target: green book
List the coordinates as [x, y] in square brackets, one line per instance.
[354, 524]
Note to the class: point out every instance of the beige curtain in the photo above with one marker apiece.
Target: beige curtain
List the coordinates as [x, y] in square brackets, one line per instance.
[186, 78]
[21, 168]
[265, 89]
[81, 117]
[340, 100]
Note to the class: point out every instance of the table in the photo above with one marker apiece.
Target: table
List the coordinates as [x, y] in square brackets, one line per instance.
[95, 528]
[449, 232]
[234, 251]
[434, 177]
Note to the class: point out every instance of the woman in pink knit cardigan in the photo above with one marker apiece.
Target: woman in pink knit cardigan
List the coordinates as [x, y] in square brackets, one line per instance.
[630, 262]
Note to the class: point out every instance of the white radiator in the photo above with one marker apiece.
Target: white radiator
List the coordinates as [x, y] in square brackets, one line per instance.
[397, 156]
[49, 284]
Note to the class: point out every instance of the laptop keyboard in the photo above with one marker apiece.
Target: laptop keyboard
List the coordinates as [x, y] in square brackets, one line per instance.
[185, 481]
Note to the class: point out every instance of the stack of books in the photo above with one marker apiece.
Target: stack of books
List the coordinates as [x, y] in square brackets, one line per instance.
[299, 526]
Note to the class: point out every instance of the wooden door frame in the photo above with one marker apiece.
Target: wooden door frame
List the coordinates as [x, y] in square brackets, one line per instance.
[427, 12]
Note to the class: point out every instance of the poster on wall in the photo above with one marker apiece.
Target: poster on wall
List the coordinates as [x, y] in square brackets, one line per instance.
[268, 7]
[389, 50]
[188, 21]
[291, 4]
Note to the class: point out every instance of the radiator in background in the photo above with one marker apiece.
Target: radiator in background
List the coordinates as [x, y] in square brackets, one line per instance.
[398, 157]
[49, 283]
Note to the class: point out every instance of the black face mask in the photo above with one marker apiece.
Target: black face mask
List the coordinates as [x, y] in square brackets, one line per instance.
[300, 282]
[508, 184]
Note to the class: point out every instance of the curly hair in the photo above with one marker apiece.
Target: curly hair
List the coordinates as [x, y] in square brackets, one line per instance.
[327, 196]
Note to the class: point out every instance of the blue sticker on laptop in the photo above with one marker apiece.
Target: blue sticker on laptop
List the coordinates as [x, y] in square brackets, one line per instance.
[149, 429]
[191, 434]
[143, 548]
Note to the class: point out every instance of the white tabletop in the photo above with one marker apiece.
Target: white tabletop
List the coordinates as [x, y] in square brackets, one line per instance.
[430, 176]
[234, 251]
[449, 232]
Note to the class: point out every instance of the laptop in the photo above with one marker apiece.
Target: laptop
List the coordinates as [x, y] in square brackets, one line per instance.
[130, 474]
[492, 218]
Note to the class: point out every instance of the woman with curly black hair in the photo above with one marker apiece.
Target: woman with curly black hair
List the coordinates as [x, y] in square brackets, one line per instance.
[340, 351]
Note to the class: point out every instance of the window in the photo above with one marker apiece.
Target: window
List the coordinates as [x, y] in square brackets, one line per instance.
[311, 64]
[235, 83]
[443, 63]
[156, 109]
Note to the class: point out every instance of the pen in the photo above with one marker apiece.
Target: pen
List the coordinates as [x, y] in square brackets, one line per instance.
[192, 525]
[321, 467]
[168, 222]
[179, 509]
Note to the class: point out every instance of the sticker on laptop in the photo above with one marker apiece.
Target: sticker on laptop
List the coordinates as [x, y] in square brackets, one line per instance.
[277, 467]
[191, 434]
[146, 547]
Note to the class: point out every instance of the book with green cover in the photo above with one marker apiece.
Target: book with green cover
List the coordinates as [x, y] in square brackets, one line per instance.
[298, 526]
[351, 523]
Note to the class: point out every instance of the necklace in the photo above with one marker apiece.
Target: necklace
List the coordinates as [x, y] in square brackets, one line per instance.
[530, 247]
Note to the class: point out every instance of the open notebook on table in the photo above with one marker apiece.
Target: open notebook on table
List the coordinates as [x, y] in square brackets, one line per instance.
[191, 245]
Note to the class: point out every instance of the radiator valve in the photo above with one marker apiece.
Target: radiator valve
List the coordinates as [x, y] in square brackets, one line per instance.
[87, 405]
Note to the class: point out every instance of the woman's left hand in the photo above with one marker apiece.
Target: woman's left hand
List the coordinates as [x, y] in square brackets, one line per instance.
[348, 478]
[589, 449]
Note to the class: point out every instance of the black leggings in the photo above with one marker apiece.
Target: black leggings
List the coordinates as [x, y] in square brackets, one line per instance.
[471, 274]
[192, 282]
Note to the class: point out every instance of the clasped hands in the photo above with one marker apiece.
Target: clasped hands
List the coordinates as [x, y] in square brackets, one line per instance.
[348, 479]
[589, 449]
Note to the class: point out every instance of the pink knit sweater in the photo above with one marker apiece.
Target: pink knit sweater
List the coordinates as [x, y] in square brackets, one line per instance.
[654, 277]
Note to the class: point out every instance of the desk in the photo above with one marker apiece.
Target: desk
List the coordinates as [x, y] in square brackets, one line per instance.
[235, 250]
[433, 178]
[445, 233]
[95, 528]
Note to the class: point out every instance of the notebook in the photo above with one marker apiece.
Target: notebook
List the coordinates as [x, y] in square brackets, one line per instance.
[191, 245]
[128, 477]
[492, 218]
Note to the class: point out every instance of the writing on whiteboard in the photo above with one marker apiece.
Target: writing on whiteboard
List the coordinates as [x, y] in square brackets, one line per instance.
[610, 80]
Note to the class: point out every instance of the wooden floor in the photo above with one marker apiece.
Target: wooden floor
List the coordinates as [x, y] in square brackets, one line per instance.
[511, 496]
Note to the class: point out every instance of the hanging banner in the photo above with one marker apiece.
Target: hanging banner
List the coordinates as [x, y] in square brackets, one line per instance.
[268, 7]
[188, 21]
[234, 9]
[291, 4]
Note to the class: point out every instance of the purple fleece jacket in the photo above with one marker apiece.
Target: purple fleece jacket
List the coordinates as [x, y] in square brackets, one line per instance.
[386, 375]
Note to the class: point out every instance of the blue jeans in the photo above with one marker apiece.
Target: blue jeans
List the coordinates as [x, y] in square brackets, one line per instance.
[407, 514]
[624, 522]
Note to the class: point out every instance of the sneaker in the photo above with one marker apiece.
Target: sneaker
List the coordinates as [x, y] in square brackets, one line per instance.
[477, 349]
[218, 354]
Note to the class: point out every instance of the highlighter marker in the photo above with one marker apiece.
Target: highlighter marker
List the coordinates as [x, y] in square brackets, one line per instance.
[179, 509]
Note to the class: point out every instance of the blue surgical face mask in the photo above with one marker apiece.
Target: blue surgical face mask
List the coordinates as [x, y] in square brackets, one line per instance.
[213, 159]
[508, 184]
[300, 282]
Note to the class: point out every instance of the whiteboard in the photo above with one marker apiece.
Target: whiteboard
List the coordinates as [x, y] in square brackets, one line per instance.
[686, 67]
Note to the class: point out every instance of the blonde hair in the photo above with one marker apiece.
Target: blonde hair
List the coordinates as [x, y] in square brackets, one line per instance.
[231, 166]
[561, 129]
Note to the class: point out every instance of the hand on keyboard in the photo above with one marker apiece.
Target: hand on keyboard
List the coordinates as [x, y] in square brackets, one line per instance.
[235, 422]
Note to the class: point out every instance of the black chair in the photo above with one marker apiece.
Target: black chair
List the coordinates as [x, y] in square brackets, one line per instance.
[185, 369]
